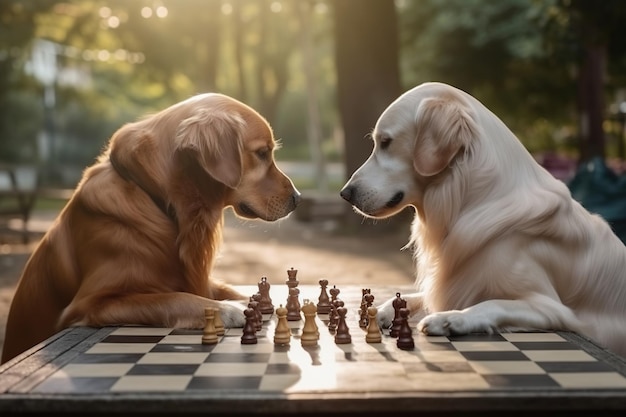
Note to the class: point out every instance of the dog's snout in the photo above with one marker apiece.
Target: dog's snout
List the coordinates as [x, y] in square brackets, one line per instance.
[296, 198]
[347, 193]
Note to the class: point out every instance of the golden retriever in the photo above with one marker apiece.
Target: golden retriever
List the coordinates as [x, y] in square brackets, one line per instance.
[499, 243]
[137, 240]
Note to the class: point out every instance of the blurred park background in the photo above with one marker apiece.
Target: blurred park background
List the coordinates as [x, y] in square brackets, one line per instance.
[321, 71]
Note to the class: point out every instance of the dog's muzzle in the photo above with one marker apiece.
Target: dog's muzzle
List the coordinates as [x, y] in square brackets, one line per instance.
[347, 193]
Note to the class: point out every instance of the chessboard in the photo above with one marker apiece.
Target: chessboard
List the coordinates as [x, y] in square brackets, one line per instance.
[148, 359]
[170, 370]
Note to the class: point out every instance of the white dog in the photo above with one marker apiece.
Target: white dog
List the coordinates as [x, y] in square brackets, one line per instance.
[499, 242]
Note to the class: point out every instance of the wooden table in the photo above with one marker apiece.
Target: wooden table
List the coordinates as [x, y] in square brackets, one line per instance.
[145, 369]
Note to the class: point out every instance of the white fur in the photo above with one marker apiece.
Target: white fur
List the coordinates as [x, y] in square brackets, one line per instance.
[499, 242]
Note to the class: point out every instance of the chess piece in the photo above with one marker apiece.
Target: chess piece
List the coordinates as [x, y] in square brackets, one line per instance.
[405, 334]
[292, 281]
[293, 305]
[254, 300]
[310, 333]
[209, 335]
[323, 302]
[373, 331]
[265, 302]
[249, 329]
[397, 303]
[219, 324]
[334, 292]
[334, 316]
[366, 302]
[343, 332]
[282, 334]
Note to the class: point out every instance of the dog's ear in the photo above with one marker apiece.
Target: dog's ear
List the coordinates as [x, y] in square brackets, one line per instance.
[214, 138]
[444, 127]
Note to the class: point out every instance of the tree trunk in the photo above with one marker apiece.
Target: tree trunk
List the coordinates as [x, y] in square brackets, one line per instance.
[591, 102]
[368, 76]
[314, 134]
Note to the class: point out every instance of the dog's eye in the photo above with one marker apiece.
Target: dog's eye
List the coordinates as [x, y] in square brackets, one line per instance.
[263, 154]
[384, 143]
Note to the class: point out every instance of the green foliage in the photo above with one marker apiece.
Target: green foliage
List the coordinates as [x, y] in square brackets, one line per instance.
[520, 57]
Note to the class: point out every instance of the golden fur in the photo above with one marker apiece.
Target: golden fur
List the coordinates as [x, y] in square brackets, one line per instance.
[136, 242]
[499, 242]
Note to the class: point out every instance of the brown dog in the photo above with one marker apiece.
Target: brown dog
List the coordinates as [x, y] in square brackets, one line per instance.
[137, 240]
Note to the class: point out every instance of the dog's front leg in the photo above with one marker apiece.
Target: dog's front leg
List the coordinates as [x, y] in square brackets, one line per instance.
[535, 312]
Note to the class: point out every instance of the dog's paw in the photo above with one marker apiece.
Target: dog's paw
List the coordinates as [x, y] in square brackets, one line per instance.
[386, 313]
[445, 323]
[232, 313]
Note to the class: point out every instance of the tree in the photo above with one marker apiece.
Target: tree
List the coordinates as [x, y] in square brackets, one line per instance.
[592, 33]
[368, 74]
[20, 97]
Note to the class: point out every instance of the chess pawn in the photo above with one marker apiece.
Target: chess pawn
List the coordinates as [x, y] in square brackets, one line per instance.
[293, 305]
[249, 329]
[219, 324]
[209, 335]
[265, 302]
[343, 332]
[310, 332]
[373, 331]
[405, 334]
[282, 334]
[323, 302]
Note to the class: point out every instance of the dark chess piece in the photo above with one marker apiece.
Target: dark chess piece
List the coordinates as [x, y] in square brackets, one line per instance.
[265, 302]
[254, 304]
[398, 303]
[343, 332]
[405, 334]
[292, 281]
[334, 315]
[249, 329]
[323, 302]
[363, 320]
[293, 305]
[334, 292]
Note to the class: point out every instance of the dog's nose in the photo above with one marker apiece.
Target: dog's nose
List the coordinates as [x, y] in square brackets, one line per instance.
[296, 198]
[347, 193]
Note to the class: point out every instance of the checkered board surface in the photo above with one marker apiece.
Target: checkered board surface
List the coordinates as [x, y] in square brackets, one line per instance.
[144, 359]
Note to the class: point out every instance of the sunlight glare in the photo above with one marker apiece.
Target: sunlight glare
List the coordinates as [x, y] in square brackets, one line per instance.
[227, 8]
[113, 22]
[276, 7]
[162, 12]
[105, 12]
[146, 12]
